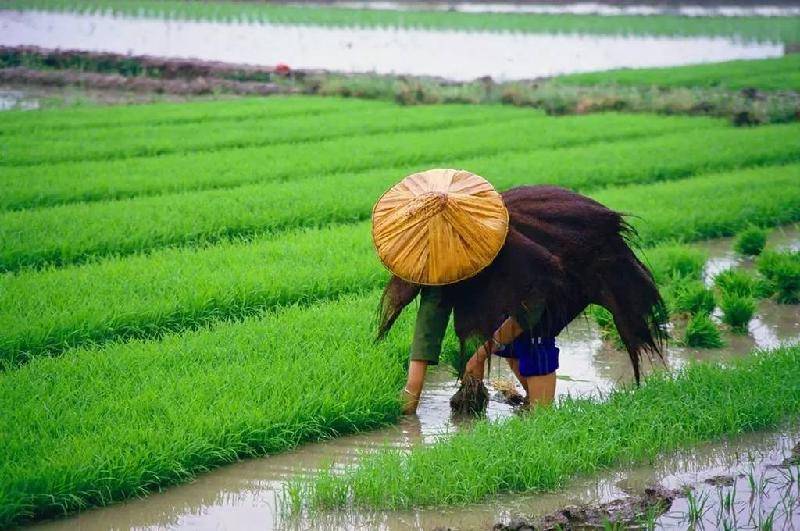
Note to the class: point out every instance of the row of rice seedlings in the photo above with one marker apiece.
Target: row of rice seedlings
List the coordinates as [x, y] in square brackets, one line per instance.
[781, 269]
[50, 310]
[751, 27]
[102, 425]
[701, 402]
[154, 140]
[77, 232]
[79, 119]
[780, 73]
[92, 180]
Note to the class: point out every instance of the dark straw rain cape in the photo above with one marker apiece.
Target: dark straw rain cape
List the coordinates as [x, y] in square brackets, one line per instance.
[564, 249]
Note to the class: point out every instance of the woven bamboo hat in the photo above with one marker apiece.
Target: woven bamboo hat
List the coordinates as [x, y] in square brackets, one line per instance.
[439, 226]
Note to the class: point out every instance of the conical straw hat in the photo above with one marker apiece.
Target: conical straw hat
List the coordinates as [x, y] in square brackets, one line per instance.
[439, 226]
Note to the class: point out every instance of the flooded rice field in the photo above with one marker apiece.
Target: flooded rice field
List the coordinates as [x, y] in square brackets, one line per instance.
[748, 482]
[456, 55]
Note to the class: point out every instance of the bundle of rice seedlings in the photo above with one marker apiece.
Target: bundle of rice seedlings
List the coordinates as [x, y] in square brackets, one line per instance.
[471, 398]
[692, 297]
[735, 282]
[782, 270]
[751, 241]
[737, 310]
[702, 332]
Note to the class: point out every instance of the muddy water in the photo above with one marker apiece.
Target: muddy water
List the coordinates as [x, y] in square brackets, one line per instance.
[456, 55]
[16, 100]
[246, 494]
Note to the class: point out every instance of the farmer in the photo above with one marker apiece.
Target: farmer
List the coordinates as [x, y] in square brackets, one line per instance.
[514, 269]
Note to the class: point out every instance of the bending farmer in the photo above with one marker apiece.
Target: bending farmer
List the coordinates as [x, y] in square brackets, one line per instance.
[514, 269]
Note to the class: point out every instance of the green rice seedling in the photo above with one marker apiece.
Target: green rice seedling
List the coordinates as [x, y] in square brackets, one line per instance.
[702, 332]
[605, 322]
[672, 262]
[766, 74]
[737, 311]
[751, 241]
[579, 436]
[691, 297]
[512, 130]
[782, 273]
[99, 425]
[79, 233]
[50, 310]
[155, 140]
[697, 507]
[780, 29]
[735, 282]
[147, 296]
[663, 209]
[72, 120]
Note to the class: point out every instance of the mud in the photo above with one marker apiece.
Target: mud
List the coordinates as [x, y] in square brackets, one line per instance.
[141, 84]
[720, 481]
[630, 511]
[471, 398]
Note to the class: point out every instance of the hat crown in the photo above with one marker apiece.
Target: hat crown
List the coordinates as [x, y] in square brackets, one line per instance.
[439, 226]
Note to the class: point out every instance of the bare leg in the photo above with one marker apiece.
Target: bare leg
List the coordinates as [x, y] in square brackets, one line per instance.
[542, 389]
[413, 390]
[513, 364]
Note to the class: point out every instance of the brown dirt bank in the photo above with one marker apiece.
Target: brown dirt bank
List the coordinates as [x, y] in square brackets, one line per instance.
[40, 67]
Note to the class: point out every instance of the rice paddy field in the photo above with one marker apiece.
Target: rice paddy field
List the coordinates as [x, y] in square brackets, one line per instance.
[750, 27]
[188, 294]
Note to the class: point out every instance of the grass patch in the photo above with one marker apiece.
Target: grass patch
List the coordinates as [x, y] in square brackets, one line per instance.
[780, 73]
[579, 436]
[781, 29]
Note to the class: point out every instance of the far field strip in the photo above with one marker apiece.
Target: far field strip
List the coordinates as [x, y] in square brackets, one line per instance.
[526, 130]
[81, 119]
[32, 150]
[774, 29]
[49, 311]
[782, 73]
[80, 232]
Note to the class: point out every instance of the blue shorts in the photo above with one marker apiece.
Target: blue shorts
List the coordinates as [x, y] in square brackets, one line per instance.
[537, 355]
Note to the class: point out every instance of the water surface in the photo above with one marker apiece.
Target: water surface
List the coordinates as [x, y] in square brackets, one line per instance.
[456, 55]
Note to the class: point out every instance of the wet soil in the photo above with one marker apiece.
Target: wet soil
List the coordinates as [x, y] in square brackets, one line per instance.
[630, 511]
[471, 398]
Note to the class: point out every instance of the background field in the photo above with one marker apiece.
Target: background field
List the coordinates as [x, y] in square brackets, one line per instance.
[778, 29]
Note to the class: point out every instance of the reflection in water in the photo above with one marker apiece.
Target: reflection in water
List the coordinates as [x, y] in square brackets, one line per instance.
[455, 55]
[16, 100]
[245, 495]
